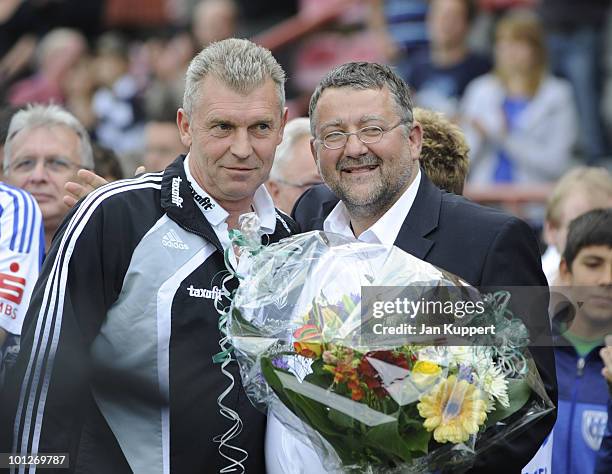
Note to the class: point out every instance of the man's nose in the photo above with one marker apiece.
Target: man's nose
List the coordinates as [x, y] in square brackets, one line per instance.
[241, 144]
[39, 173]
[354, 147]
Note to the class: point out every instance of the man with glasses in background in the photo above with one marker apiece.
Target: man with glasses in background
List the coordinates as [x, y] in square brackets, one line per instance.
[294, 171]
[45, 147]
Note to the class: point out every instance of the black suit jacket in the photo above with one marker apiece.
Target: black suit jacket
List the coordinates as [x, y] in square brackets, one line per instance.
[487, 248]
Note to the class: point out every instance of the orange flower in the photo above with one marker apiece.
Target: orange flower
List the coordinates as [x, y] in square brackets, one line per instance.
[308, 342]
[311, 350]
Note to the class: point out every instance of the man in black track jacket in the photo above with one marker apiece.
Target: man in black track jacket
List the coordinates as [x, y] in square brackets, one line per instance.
[116, 367]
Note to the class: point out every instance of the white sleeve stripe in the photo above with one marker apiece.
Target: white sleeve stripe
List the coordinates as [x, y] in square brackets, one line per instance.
[16, 225]
[23, 227]
[51, 316]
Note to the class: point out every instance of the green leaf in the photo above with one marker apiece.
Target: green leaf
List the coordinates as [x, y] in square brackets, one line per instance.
[349, 305]
[518, 394]
[386, 438]
[342, 419]
[311, 412]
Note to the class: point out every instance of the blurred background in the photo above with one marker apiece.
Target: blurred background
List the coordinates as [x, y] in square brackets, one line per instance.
[533, 74]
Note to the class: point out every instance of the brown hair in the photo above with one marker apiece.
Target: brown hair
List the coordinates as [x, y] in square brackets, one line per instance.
[524, 26]
[444, 153]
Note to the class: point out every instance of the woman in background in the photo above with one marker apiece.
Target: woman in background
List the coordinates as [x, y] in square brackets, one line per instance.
[520, 121]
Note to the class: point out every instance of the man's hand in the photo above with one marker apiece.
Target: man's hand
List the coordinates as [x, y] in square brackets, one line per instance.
[606, 356]
[88, 181]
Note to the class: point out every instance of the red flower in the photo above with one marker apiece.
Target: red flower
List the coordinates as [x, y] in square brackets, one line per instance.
[357, 394]
[366, 369]
[380, 392]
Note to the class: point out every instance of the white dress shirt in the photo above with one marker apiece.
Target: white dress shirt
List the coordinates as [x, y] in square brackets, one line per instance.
[385, 230]
[217, 216]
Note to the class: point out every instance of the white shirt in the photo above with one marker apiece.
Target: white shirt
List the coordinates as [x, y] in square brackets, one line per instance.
[385, 230]
[217, 216]
[550, 264]
[285, 453]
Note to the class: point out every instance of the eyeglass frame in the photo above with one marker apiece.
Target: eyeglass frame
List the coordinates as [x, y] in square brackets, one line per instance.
[348, 134]
[12, 167]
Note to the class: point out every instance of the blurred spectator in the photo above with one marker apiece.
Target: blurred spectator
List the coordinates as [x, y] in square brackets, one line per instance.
[45, 147]
[106, 163]
[257, 15]
[78, 88]
[211, 20]
[162, 145]
[520, 121]
[444, 151]
[575, 35]
[117, 104]
[347, 39]
[294, 169]
[580, 190]
[439, 76]
[57, 52]
[400, 28]
[586, 268]
[214, 20]
[23, 22]
[168, 60]
[6, 113]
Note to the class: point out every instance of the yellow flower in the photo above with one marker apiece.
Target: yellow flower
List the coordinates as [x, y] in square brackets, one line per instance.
[425, 373]
[453, 410]
[426, 368]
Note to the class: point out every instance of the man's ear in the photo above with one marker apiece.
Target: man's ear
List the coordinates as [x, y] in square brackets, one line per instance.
[284, 118]
[415, 138]
[313, 150]
[182, 120]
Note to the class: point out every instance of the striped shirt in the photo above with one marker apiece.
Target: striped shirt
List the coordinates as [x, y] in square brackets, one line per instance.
[22, 247]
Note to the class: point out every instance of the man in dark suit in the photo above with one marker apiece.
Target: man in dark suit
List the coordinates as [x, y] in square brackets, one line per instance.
[367, 148]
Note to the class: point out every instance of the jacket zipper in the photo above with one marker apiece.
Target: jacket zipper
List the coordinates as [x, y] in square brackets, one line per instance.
[579, 372]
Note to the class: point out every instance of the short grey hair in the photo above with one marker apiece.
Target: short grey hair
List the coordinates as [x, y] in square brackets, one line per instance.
[294, 130]
[238, 63]
[36, 115]
[362, 76]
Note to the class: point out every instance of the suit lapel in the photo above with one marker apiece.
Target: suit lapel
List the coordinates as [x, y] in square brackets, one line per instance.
[421, 220]
[327, 206]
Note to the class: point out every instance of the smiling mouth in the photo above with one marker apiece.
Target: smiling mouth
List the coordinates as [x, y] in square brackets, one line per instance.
[360, 169]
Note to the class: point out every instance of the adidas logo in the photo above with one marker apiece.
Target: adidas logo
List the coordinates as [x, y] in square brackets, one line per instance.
[171, 239]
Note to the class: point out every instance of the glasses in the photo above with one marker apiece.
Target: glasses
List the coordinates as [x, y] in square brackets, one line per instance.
[54, 165]
[367, 135]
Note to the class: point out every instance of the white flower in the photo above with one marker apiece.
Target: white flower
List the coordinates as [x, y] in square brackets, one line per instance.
[490, 378]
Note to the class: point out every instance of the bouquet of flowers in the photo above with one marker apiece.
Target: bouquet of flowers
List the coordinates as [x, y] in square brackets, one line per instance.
[310, 331]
